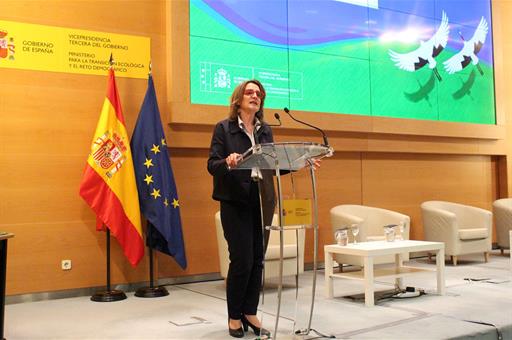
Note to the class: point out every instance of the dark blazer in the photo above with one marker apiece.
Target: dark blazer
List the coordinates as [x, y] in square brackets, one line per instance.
[234, 185]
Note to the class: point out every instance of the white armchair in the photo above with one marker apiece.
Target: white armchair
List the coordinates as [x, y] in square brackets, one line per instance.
[371, 223]
[502, 210]
[463, 229]
[272, 255]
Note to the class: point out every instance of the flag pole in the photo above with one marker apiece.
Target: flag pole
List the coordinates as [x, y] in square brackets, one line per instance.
[108, 295]
[151, 291]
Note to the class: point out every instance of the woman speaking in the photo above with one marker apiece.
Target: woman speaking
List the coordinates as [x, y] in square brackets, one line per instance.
[240, 212]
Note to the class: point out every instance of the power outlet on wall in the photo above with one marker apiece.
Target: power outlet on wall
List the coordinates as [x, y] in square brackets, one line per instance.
[66, 264]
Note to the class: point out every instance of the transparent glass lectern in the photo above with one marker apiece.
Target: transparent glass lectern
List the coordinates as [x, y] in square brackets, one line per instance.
[292, 156]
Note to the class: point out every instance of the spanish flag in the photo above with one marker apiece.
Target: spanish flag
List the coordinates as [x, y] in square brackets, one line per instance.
[108, 184]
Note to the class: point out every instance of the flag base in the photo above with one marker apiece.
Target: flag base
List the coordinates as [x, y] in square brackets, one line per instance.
[108, 296]
[151, 292]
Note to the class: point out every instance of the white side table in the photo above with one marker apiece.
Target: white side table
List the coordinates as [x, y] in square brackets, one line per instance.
[369, 250]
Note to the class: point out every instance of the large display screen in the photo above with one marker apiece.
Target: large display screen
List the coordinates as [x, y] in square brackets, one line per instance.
[421, 59]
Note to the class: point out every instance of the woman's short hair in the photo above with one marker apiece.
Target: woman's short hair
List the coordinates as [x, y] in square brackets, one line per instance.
[238, 96]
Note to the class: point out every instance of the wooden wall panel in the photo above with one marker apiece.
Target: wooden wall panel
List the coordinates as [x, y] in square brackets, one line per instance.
[338, 182]
[48, 120]
[198, 136]
[36, 252]
[197, 211]
[502, 10]
[138, 17]
[402, 182]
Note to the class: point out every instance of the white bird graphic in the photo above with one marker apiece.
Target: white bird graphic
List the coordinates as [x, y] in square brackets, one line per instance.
[426, 53]
[468, 52]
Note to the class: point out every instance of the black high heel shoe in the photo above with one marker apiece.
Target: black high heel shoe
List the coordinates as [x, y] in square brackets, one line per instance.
[257, 330]
[236, 333]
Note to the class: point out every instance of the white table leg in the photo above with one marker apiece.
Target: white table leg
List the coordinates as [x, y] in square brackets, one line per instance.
[368, 281]
[399, 262]
[440, 271]
[329, 291]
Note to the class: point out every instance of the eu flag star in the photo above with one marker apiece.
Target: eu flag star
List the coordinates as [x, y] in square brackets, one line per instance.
[148, 179]
[155, 193]
[166, 202]
[175, 203]
[148, 163]
[155, 148]
[163, 141]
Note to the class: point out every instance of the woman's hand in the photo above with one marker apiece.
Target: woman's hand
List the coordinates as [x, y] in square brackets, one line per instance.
[233, 159]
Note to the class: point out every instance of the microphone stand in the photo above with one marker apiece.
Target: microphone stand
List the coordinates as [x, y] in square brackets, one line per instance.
[259, 131]
[324, 136]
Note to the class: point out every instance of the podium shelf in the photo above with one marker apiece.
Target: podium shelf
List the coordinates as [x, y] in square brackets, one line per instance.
[289, 227]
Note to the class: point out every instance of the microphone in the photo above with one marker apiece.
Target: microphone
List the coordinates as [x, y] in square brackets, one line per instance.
[324, 136]
[278, 118]
[258, 133]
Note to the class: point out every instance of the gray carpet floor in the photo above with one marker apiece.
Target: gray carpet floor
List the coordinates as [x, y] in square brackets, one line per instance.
[480, 308]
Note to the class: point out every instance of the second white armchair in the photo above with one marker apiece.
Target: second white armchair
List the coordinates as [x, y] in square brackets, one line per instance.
[502, 209]
[464, 229]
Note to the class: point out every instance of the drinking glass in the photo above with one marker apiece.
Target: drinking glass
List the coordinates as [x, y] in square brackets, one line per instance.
[389, 232]
[401, 227]
[341, 236]
[355, 231]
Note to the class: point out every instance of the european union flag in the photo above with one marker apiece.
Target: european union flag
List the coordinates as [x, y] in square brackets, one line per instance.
[155, 181]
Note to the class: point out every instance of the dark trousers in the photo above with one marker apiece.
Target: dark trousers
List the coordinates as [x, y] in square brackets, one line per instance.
[242, 231]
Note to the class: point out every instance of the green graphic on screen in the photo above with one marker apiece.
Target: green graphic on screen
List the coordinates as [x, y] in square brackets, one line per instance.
[406, 59]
